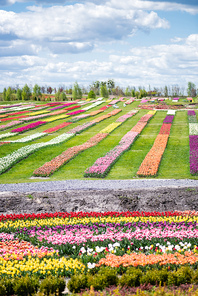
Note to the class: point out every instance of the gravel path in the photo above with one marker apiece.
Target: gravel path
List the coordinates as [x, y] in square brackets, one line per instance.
[97, 185]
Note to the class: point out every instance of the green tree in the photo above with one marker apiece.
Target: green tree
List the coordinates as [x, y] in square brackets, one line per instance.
[62, 96]
[57, 95]
[4, 94]
[26, 93]
[103, 91]
[133, 92]
[91, 94]
[76, 91]
[36, 92]
[191, 90]
[166, 91]
[19, 94]
[8, 94]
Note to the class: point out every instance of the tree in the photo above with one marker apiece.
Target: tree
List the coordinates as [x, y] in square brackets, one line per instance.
[166, 91]
[36, 92]
[91, 94]
[133, 92]
[191, 90]
[103, 91]
[127, 91]
[4, 94]
[111, 85]
[19, 94]
[49, 90]
[26, 93]
[8, 94]
[76, 91]
[57, 95]
[62, 96]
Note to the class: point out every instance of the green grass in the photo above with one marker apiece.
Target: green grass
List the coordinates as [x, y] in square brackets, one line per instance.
[174, 164]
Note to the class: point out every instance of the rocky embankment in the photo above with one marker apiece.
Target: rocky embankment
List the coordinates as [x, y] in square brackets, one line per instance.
[155, 199]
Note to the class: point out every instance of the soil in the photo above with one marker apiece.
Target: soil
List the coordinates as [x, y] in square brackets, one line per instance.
[155, 199]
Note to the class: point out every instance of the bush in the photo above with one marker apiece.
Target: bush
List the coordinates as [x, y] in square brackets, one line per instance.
[77, 283]
[91, 95]
[150, 277]
[26, 286]
[104, 278]
[51, 285]
[131, 278]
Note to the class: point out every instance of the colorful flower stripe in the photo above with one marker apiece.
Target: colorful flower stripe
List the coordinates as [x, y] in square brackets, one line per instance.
[50, 167]
[12, 118]
[143, 260]
[56, 128]
[29, 138]
[38, 112]
[97, 103]
[9, 160]
[126, 116]
[41, 267]
[80, 128]
[151, 163]
[7, 135]
[103, 117]
[79, 117]
[18, 113]
[73, 107]
[103, 164]
[140, 125]
[96, 112]
[63, 106]
[129, 101]
[108, 129]
[18, 250]
[76, 112]
[28, 127]
[114, 102]
[32, 118]
[193, 142]
[53, 118]
[10, 124]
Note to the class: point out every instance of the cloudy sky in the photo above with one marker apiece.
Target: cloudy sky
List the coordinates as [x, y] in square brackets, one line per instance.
[134, 42]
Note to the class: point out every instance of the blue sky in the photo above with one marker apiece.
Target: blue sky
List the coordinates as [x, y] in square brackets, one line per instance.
[135, 42]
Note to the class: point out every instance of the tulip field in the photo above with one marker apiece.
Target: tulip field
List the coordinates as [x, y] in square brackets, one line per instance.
[94, 253]
[136, 248]
[112, 139]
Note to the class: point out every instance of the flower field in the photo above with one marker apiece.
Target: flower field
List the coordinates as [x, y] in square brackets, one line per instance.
[140, 139]
[87, 244]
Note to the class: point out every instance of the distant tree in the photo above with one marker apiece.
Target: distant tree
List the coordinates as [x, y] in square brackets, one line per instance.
[91, 94]
[62, 96]
[133, 92]
[26, 93]
[111, 85]
[166, 91]
[49, 90]
[137, 94]
[127, 91]
[103, 91]
[191, 90]
[19, 94]
[36, 92]
[57, 95]
[43, 89]
[76, 91]
[8, 94]
[4, 94]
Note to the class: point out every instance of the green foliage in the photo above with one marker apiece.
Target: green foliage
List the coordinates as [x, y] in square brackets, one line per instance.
[77, 283]
[91, 94]
[26, 93]
[104, 278]
[150, 277]
[62, 96]
[8, 94]
[52, 284]
[36, 92]
[19, 94]
[103, 91]
[76, 92]
[2, 288]
[26, 286]
[131, 278]
[4, 94]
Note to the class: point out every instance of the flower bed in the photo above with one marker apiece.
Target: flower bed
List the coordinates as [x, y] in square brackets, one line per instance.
[151, 163]
[56, 128]
[28, 127]
[102, 165]
[9, 160]
[29, 138]
[10, 124]
[81, 244]
[193, 142]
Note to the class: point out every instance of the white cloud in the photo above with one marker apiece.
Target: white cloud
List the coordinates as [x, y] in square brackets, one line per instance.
[156, 65]
[77, 23]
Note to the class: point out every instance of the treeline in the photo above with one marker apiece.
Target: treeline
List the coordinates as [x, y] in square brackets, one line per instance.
[97, 88]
